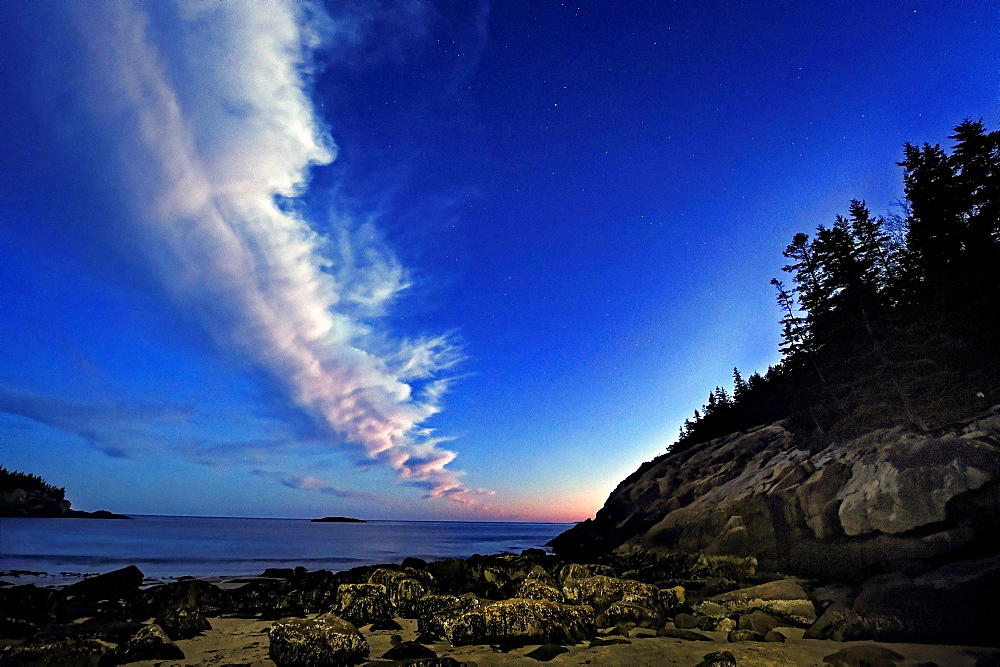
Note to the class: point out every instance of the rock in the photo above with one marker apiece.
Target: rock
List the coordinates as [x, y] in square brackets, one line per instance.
[892, 500]
[608, 642]
[718, 659]
[150, 643]
[278, 573]
[535, 589]
[744, 636]
[774, 636]
[546, 652]
[624, 613]
[402, 588]
[784, 598]
[900, 608]
[13, 628]
[362, 604]
[601, 592]
[28, 603]
[686, 621]
[578, 571]
[325, 640]
[760, 621]
[723, 625]
[518, 622]
[835, 624]
[430, 605]
[182, 621]
[676, 633]
[68, 652]
[863, 656]
[207, 598]
[112, 585]
[409, 651]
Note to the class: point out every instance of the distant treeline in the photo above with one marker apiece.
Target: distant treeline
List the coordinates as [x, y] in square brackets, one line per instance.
[12, 479]
[886, 320]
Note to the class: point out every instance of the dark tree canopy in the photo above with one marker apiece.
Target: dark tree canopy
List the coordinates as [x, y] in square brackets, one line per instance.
[886, 321]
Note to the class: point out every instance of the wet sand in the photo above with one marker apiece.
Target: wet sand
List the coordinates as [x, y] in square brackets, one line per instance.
[245, 641]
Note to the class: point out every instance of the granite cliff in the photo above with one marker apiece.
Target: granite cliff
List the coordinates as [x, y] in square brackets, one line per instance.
[894, 501]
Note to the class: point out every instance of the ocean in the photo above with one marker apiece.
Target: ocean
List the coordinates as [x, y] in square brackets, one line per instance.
[60, 551]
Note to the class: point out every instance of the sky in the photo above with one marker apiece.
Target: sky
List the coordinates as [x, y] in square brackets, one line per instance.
[424, 259]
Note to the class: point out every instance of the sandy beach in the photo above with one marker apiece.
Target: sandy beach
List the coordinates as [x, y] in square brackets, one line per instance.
[245, 641]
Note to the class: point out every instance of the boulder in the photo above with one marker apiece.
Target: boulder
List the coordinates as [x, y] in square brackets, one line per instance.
[207, 598]
[150, 643]
[625, 613]
[182, 621]
[113, 585]
[519, 622]
[601, 592]
[744, 636]
[718, 659]
[760, 621]
[28, 603]
[326, 640]
[362, 604]
[401, 587]
[868, 655]
[774, 636]
[537, 589]
[784, 598]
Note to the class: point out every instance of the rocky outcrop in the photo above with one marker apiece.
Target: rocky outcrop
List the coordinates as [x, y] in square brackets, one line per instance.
[892, 501]
[29, 503]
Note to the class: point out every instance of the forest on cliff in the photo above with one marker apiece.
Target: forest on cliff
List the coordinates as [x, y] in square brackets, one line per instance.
[886, 320]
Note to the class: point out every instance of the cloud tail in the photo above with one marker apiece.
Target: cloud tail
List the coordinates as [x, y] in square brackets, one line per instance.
[211, 139]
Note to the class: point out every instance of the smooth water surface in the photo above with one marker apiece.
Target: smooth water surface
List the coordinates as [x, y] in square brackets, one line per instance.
[172, 546]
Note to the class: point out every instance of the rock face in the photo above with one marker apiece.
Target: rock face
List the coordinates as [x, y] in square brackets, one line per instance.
[891, 501]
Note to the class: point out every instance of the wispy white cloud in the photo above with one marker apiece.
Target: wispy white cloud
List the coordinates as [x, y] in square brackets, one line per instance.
[214, 126]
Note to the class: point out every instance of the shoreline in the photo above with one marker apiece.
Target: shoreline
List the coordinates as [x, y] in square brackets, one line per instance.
[236, 632]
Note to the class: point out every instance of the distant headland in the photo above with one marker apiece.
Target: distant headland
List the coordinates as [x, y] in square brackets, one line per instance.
[338, 519]
[30, 496]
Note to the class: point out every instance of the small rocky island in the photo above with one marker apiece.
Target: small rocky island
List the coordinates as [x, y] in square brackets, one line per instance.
[29, 496]
[338, 519]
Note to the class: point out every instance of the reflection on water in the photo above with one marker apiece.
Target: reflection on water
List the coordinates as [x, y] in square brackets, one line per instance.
[170, 546]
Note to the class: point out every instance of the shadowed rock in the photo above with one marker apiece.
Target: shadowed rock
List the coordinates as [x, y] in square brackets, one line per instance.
[150, 643]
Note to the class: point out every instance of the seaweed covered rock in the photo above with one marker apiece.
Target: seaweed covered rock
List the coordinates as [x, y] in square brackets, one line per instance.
[784, 598]
[519, 622]
[402, 588]
[362, 604]
[601, 592]
[326, 640]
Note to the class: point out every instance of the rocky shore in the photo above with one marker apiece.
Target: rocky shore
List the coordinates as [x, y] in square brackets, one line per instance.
[642, 607]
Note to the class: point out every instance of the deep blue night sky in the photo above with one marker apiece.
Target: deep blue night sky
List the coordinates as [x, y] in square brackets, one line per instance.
[546, 235]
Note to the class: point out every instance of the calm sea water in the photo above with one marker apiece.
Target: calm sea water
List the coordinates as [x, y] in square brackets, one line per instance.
[172, 546]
